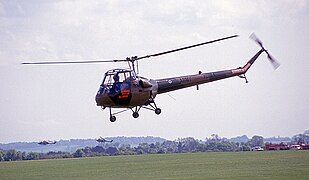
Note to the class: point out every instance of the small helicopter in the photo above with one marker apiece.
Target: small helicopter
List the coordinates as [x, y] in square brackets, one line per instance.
[102, 140]
[47, 142]
[124, 88]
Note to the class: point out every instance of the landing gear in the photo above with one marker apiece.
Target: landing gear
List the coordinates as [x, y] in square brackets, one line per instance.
[150, 105]
[135, 114]
[158, 111]
[154, 106]
[112, 118]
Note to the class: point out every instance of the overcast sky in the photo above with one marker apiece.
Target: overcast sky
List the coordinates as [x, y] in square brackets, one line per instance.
[57, 101]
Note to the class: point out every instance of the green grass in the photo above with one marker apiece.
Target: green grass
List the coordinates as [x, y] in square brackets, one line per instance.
[238, 165]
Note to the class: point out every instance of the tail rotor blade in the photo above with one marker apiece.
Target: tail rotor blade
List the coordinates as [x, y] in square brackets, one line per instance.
[256, 39]
[271, 59]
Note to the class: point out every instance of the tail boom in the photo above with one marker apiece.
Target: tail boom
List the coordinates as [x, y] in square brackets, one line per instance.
[175, 83]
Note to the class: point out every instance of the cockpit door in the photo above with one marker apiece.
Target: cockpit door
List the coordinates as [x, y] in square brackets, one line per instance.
[117, 86]
[122, 84]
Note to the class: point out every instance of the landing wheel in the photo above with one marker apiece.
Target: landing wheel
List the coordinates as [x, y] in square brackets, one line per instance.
[158, 111]
[112, 118]
[135, 114]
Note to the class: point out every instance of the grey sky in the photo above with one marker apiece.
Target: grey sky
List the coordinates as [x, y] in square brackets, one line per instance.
[57, 102]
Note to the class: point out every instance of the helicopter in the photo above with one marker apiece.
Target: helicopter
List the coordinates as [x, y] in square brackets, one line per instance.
[47, 142]
[102, 140]
[126, 89]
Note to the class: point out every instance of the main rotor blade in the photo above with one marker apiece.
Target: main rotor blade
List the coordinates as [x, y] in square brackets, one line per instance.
[132, 59]
[75, 62]
[183, 48]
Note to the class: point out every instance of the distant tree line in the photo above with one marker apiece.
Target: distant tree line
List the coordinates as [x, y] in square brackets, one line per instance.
[13, 155]
[182, 145]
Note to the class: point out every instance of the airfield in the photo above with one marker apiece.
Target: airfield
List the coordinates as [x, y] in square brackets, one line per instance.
[104, 39]
[211, 165]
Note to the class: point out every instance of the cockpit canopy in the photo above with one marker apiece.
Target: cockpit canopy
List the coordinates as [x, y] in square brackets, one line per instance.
[116, 80]
[118, 75]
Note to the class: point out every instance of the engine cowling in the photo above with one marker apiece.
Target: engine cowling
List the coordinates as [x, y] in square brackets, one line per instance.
[144, 83]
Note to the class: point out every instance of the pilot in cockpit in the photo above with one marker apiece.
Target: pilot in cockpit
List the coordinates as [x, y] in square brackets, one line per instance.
[116, 85]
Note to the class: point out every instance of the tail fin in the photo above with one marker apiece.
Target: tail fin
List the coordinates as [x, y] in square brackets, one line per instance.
[251, 61]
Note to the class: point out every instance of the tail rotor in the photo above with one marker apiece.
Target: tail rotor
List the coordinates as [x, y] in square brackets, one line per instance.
[271, 59]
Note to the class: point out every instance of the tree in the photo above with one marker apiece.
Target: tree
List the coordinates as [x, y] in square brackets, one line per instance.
[1, 155]
[33, 156]
[201, 148]
[188, 144]
[300, 139]
[244, 147]
[256, 141]
[66, 155]
[154, 148]
[98, 149]
[144, 147]
[19, 156]
[215, 138]
[24, 156]
[11, 155]
[79, 153]
[111, 150]
[169, 146]
[125, 150]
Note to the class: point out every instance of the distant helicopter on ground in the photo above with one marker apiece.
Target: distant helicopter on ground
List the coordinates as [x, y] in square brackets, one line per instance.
[47, 142]
[102, 140]
[124, 88]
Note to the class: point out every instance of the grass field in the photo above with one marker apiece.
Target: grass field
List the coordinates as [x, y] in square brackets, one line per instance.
[238, 165]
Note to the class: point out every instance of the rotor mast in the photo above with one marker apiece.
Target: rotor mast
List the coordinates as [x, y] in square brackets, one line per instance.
[131, 63]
